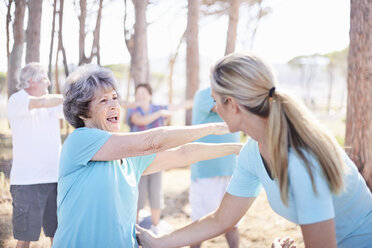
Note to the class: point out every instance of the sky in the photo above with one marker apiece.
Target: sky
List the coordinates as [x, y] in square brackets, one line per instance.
[294, 28]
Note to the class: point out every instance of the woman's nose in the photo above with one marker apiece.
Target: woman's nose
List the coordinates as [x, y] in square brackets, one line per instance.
[114, 103]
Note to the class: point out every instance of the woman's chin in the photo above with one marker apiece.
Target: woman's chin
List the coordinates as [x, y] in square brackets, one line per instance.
[112, 127]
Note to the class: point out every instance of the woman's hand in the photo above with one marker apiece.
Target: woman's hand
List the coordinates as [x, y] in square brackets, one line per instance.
[285, 242]
[165, 114]
[146, 238]
[219, 128]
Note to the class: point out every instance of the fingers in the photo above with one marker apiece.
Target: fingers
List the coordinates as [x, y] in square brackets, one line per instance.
[276, 243]
[286, 242]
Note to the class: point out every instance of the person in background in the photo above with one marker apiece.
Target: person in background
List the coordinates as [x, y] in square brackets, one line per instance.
[145, 116]
[34, 116]
[100, 167]
[209, 178]
[307, 176]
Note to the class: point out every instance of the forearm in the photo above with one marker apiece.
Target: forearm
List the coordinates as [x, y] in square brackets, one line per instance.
[230, 211]
[195, 152]
[184, 105]
[169, 137]
[195, 233]
[46, 101]
[121, 145]
[190, 153]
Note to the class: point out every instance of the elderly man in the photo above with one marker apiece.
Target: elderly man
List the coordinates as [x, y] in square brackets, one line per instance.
[34, 116]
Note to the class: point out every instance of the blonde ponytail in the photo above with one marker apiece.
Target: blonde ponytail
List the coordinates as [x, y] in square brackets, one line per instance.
[249, 80]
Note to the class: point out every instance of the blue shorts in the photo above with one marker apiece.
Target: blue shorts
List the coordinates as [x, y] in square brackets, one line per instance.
[34, 206]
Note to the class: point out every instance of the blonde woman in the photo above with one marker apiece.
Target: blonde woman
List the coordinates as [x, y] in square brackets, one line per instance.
[307, 177]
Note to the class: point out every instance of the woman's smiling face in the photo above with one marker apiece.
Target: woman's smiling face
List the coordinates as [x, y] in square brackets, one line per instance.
[104, 111]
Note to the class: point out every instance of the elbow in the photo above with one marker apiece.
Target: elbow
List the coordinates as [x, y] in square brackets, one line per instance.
[221, 226]
[156, 142]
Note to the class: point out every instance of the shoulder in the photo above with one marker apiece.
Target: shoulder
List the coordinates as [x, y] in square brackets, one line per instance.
[296, 163]
[84, 134]
[248, 154]
[132, 111]
[250, 146]
[21, 94]
[203, 93]
[298, 171]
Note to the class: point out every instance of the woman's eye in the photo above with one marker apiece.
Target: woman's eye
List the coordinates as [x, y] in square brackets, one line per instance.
[103, 100]
[115, 98]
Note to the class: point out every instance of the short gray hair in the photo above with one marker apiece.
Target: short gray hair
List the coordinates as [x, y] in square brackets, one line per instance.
[80, 90]
[32, 71]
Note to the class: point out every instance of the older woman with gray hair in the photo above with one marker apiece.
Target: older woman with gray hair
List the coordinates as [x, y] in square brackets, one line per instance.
[100, 167]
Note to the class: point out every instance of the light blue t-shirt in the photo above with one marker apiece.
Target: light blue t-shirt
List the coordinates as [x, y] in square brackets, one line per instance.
[97, 200]
[351, 209]
[202, 113]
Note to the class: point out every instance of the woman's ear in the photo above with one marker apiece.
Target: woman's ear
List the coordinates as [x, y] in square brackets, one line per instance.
[31, 83]
[233, 105]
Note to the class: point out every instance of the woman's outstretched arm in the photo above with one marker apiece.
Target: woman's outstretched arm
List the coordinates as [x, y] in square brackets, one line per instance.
[191, 153]
[230, 211]
[122, 145]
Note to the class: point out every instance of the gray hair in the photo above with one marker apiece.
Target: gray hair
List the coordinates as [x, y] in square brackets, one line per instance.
[32, 71]
[80, 90]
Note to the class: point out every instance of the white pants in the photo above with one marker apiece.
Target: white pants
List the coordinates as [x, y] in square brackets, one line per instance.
[206, 194]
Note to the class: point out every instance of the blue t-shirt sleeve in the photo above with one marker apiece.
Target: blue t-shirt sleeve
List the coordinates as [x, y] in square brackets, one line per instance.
[202, 106]
[244, 182]
[140, 164]
[311, 207]
[80, 147]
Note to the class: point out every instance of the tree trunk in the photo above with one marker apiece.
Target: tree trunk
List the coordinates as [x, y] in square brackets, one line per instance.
[233, 25]
[8, 20]
[192, 53]
[139, 62]
[331, 70]
[359, 80]
[33, 30]
[82, 34]
[15, 58]
[52, 40]
[95, 52]
[60, 38]
[172, 61]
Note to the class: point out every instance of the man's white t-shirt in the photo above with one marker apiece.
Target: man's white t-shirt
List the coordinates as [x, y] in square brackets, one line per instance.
[36, 141]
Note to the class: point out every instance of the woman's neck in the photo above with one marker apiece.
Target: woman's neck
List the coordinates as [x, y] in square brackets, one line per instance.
[264, 150]
[145, 107]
